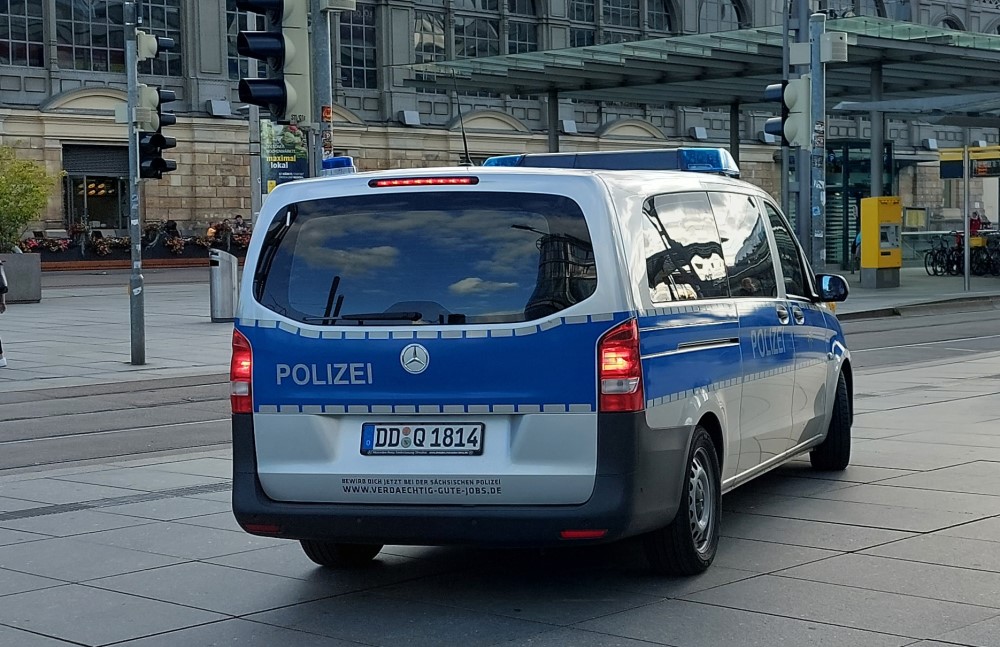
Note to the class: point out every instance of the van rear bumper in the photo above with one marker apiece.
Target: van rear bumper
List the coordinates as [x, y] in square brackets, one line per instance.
[637, 488]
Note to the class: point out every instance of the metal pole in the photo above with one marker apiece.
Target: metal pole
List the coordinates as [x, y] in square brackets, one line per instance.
[817, 167]
[803, 222]
[137, 316]
[785, 152]
[965, 218]
[878, 135]
[322, 75]
[256, 188]
[553, 121]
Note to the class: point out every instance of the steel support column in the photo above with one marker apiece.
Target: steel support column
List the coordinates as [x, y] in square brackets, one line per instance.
[553, 108]
[734, 131]
[878, 135]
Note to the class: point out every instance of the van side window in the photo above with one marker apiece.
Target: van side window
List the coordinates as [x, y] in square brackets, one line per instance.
[745, 246]
[788, 253]
[683, 251]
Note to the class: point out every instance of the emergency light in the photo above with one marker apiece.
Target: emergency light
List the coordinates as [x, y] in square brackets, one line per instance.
[698, 160]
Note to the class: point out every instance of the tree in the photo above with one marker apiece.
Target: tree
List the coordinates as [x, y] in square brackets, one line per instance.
[24, 191]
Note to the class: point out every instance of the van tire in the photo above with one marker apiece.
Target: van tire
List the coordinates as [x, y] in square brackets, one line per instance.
[683, 547]
[331, 555]
[834, 453]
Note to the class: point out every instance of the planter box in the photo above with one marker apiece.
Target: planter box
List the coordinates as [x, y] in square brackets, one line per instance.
[24, 274]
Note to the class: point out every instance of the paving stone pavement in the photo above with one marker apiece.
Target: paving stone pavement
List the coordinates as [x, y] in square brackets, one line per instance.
[903, 548]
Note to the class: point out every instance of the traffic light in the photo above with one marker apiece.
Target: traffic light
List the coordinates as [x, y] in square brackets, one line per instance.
[152, 142]
[794, 126]
[287, 92]
[150, 116]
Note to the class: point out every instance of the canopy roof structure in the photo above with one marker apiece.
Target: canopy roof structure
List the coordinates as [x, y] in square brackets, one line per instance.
[733, 67]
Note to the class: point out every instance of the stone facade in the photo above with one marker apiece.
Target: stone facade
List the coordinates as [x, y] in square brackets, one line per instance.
[45, 108]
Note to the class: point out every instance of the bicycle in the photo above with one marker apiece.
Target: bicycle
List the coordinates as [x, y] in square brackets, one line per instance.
[936, 258]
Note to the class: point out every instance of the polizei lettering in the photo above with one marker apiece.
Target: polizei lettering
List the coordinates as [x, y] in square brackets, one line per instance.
[325, 374]
[767, 342]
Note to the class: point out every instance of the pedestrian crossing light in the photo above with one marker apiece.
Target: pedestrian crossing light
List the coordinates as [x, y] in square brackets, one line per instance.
[152, 142]
[284, 46]
[794, 124]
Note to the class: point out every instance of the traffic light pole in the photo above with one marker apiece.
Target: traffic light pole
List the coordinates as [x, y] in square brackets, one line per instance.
[817, 166]
[137, 315]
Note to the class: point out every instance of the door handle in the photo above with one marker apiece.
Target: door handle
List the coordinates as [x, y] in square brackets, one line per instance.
[782, 314]
[798, 315]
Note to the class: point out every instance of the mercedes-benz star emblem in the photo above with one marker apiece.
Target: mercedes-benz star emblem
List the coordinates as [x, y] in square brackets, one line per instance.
[414, 359]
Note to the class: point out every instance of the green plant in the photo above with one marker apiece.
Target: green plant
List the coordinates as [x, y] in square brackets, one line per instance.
[25, 187]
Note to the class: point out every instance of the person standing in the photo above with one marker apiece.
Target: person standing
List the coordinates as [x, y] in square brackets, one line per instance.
[3, 307]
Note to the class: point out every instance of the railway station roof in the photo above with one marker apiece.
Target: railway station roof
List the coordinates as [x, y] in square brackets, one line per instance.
[734, 67]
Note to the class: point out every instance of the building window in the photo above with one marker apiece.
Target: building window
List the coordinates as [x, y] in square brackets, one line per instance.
[582, 37]
[21, 33]
[660, 16]
[163, 18]
[621, 13]
[722, 15]
[476, 37]
[237, 21]
[90, 35]
[476, 5]
[850, 8]
[358, 66]
[429, 44]
[583, 11]
[522, 35]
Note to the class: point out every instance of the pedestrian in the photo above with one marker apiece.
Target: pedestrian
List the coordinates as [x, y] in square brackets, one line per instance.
[3, 307]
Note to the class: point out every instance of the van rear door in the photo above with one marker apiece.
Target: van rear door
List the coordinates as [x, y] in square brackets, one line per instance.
[430, 345]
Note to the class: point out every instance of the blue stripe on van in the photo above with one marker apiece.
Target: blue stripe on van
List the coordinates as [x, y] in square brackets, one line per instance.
[544, 367]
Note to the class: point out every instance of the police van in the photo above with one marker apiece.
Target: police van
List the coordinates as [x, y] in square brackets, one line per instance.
[507, 355]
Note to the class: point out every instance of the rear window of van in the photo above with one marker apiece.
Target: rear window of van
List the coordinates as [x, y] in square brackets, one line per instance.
[429, 257]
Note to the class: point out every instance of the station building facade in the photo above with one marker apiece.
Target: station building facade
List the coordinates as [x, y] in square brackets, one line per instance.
[62, 73]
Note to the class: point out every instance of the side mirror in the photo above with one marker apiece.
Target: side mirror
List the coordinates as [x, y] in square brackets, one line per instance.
[832, 287]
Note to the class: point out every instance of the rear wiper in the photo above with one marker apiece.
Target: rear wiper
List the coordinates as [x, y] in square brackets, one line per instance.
[368, 316]
[400, 315]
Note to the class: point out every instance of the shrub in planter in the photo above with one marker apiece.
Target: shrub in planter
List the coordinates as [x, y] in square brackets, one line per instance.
[25, 187]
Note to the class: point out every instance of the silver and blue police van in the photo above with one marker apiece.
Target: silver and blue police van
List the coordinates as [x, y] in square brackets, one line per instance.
[519, 355]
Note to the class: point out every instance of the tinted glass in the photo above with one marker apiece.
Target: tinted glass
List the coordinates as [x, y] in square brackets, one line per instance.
[788, 253]
[744, 246]
[453, 257]
[683, 252]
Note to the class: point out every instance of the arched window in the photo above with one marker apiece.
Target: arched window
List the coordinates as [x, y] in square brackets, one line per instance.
[848, 8]
[22, 34]
[722, 15]
[621, 20]
[660, 16]
[950, 22]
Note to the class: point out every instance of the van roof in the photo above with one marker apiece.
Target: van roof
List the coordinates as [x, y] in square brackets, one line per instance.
[681, 180]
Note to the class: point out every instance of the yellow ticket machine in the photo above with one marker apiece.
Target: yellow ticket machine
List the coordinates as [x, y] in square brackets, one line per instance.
[881, 242]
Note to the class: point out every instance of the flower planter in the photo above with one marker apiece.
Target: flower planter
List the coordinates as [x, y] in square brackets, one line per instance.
[24, 274]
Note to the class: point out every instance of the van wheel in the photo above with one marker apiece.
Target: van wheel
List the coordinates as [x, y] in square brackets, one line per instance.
[688, 544]
[834, 453]
[331, 555]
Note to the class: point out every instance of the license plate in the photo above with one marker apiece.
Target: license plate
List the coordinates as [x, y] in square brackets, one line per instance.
[434, 439]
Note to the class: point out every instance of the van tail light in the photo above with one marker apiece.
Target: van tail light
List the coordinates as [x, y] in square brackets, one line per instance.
[619, 369]
[241, 374]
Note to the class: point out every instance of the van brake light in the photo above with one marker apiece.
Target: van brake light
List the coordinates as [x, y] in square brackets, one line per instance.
[619, 369]
[241, 375]
[424, 181]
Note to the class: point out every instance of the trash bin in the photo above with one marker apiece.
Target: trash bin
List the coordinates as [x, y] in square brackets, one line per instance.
[223, 289]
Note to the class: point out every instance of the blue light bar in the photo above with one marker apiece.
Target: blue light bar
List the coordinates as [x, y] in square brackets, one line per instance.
[504, 160]
[697, 160]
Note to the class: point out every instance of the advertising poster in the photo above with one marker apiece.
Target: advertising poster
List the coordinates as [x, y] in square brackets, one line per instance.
[284, 152]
